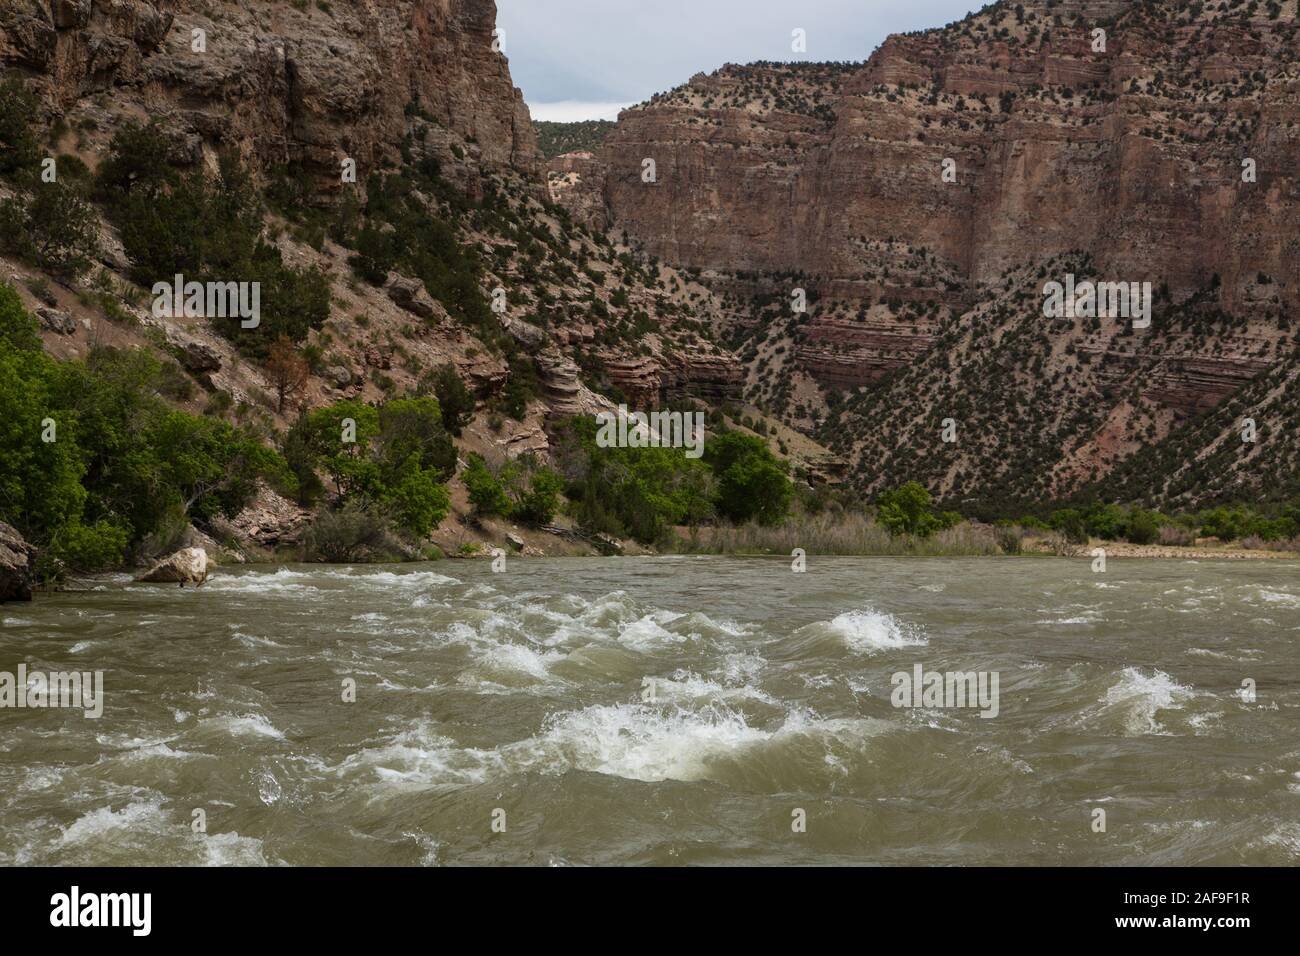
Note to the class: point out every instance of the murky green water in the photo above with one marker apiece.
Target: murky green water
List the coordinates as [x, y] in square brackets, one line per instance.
[666, 711]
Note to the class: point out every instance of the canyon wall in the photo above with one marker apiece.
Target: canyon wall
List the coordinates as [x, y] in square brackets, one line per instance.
[286, 83]
[1134, 154]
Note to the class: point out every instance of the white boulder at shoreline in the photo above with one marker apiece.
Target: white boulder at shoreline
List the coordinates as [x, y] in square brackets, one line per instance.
[187, 566]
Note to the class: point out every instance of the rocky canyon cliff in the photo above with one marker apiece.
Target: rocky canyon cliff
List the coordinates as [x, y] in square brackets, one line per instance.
[923, 197]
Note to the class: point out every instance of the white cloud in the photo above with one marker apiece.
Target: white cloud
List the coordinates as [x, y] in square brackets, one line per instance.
[602, 51]
[570, 111]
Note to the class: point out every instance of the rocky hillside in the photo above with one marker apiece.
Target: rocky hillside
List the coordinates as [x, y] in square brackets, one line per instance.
[922, 199]
[541, 317]
[287, 82]
[373, 167]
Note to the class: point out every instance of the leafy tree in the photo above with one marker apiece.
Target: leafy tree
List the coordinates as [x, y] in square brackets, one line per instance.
[393, 466]
[122, 464]
[486, 492]
[340, 437]
[906, 510]
[1142, 527]
[640, 492]
[53, 227]
[455, 400]
[533, 489]
[418, 500]
[751, 482]
[414, 427]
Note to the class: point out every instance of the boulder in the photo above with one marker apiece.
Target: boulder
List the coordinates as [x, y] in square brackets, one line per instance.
[525, 333]
[340, 376]
[15, 566]
[411, 295]
[198, 358]
[516, 542]
[53, 320]
[187, 566]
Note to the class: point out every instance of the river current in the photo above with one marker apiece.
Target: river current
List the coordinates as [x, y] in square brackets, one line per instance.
[665, 710]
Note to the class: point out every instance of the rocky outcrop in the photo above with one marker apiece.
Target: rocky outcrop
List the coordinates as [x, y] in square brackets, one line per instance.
[917, 198]
[287, 83]
[16, 557]
[712, 375]
[411, 295]
[576, 181]
[53, 320]
[637, 378]
[1054, 147]
[187, 566]
[195, 356]
[270, 520]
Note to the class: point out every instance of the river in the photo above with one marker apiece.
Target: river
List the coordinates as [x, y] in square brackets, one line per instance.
[664, 710]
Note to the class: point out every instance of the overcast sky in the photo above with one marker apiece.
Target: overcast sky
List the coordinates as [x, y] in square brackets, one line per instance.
[585, 59]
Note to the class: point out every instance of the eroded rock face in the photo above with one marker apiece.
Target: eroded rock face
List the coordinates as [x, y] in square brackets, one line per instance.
[283, 84]
[1126, 156]
[852, 161]
[270, 520]
[15, 565]
[187, 566]
[576, 181]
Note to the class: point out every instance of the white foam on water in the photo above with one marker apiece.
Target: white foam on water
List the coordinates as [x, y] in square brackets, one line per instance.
[648, 633]
[420, 756]
[1279, 597]
[740, 668]
[231, 849]
[40, 778]
[639, 742]
[276, 582]
[1287, 837]
[1138, 697]
[646, 743]
[407, 579]
[688, 686]
[90, 827]
[244, 725]
[517, 659]
[251, 640]
[268, 788]
[868, 631]
[428, 844]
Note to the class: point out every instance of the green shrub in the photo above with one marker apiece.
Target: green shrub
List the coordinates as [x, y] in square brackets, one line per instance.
[486, 492]
[53, 227]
